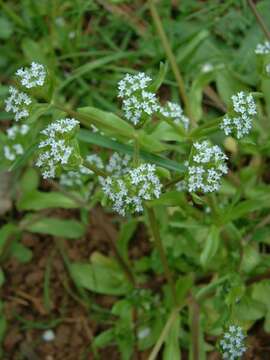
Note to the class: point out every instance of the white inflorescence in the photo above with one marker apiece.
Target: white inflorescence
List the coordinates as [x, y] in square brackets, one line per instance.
[15, 144]
[175, 112]
[33, 76]
[55, 148]
[232, 344]
[11, 151]
[244, 108]
[263, 48]
[74, 178]
[16, 130]
[17, 103]
[96, 160]
[138, 103]
[132, 83]
[118, 165]
[127, 193]
[206, 168]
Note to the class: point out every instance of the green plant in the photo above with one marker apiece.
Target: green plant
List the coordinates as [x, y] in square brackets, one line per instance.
[196, 179]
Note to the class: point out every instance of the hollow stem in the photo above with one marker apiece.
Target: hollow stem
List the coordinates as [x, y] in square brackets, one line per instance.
[158, 243]
[259, 19]
[171, 58]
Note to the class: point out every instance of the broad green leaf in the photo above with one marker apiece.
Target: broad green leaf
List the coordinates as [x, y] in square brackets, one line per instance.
[29, 180]
[251, 258]
[105, 121]
[196, 93]
[210, 247]
[127, 230]
[159, 78]
[38, 200]
[249, 309]
[21, 252]
[6, 231]
[149, 143]
[70, 229]
[170, 198]
[96, 139]
[104, 339]
[228, 85]
[100, 278]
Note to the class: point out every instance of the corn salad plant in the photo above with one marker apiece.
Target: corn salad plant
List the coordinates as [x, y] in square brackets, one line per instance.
[194, 176]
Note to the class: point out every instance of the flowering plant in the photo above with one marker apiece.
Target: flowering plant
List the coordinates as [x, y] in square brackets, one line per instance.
[175, 171]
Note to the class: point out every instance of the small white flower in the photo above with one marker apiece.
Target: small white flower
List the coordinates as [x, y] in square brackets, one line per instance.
[207, 67]
[33, 76]
[244, 108]
[138, 102]
[18, 103]
[232, 344]
[206, 168]
[143, 333]
[96, 160]
[263, 48]
[127, 193]
[48, 335]
[267, 68]
[175, 112]
[132, 83]
[16, 130]
[11, 151]
[55, 149]
[118, 164]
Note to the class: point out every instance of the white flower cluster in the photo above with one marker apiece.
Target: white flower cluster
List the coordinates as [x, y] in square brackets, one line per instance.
[11, 151]
[95, 160]
[175, 112]
[74, 178]
[33, 76]
[118, 164]
[138, 103]
[127, 193]
[206, 168]
[15, 145]
[17, 103]
[263, 48]
[16, 130]
[232, 344]
[240, 123]
[56, 149]
[132, 83]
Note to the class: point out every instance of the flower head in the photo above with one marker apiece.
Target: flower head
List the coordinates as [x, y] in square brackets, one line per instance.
[18, 103]
[138, 102]
[239, 123]
[264, 48]
[206, 168]
[96, 160]
[133, 83]
[232, 345]
[58, 147]
[128, 192]
[33, 76]
[175, 112]
[118, 164]
[16, 142]
[74, 179]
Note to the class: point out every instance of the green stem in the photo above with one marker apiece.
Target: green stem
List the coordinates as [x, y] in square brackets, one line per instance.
[95, 169]
[136, 158]
[171, 58]
[160, 248]
[259, 19]
[163, 335]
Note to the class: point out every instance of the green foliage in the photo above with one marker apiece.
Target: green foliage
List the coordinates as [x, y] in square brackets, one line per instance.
[216, 245]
